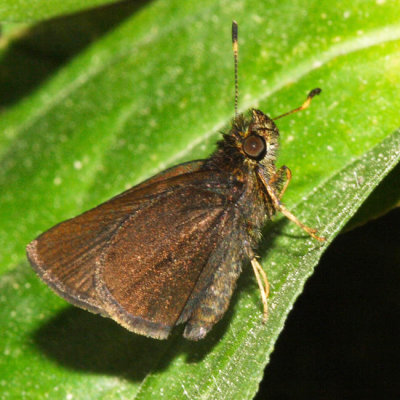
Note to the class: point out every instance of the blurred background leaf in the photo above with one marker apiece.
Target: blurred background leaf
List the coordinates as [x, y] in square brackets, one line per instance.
[36, 10]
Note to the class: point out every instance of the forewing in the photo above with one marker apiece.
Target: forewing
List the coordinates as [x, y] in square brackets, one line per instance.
[153, 262]
[65, 256]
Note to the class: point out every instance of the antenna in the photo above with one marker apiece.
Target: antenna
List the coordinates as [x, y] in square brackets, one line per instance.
[235, 60]
[306, 104]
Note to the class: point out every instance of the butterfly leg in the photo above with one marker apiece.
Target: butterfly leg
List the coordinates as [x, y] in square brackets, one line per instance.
[280, 207]
[263, 284]
[278, 178]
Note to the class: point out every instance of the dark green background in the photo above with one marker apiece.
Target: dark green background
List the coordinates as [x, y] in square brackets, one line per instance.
[341, 340]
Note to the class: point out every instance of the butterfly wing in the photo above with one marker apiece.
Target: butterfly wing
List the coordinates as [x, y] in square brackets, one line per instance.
[65, 256]
[153, 262]
[143, 257]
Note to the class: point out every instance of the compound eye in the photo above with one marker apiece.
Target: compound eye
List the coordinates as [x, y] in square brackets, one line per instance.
[254, 146]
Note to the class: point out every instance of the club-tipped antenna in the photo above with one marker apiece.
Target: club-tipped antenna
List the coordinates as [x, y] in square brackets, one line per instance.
[305, 105]
[235, 60]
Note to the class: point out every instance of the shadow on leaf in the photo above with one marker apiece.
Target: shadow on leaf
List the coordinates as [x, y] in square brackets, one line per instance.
[36, 53]
[83, 341]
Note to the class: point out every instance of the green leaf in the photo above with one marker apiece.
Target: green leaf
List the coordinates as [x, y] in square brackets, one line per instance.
[155, 91]
[385, 197]
[31, 54]
[35, 10]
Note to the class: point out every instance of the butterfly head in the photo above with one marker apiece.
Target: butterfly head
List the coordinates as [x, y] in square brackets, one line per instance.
[256, 136]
